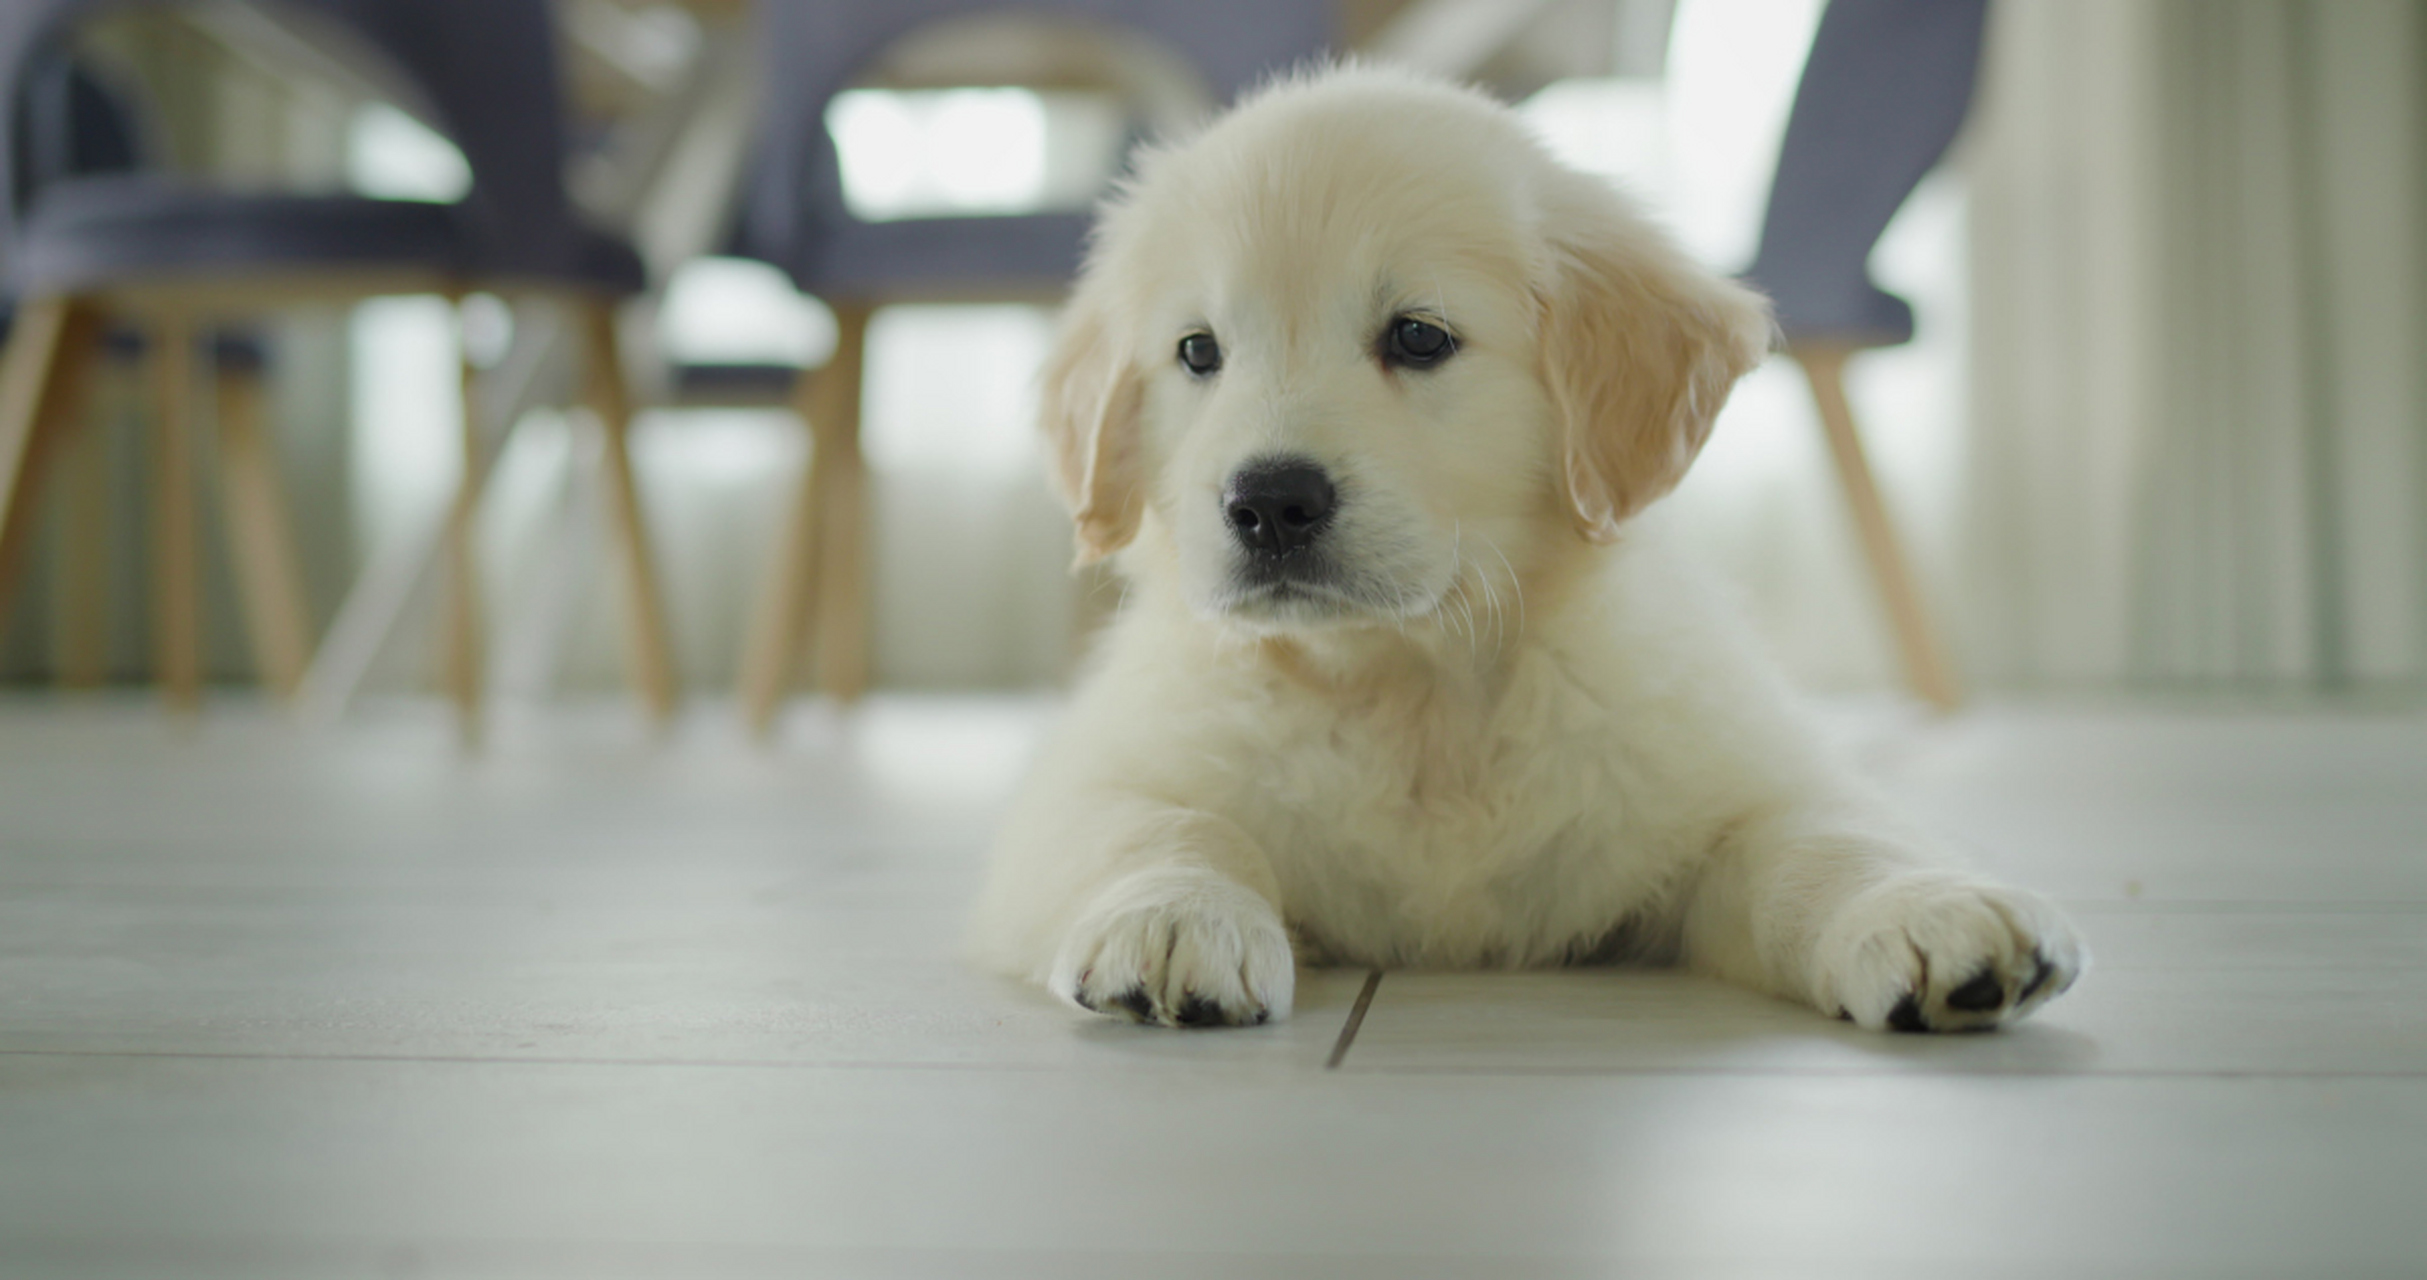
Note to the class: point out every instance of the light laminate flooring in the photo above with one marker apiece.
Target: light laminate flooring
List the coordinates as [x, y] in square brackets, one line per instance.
[286, 1004]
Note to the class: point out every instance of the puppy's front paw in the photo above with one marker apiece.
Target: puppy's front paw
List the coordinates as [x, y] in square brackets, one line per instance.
[1180, 946]
[1943, 953]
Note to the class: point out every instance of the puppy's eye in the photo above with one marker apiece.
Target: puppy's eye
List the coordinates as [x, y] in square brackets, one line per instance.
[1200, 354]
[1417, 344]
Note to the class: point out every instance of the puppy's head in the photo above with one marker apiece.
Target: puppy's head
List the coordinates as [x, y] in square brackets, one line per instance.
[1362, 349]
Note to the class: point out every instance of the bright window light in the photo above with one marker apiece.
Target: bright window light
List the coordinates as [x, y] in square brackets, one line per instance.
[941, 152]
[882, 144]
[1615, 128]
[737, 311]
[393, 156]
[1699, 145]
[952, 387]
[987, 148]
[1732, 70]
[407, 413]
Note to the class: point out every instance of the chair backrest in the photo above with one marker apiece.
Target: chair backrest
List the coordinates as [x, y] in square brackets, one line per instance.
[815, 48]
[1884, 91]
[485, 69]
[68, 124]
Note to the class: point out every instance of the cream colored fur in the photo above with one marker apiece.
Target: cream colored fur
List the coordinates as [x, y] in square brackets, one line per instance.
[1510, 732]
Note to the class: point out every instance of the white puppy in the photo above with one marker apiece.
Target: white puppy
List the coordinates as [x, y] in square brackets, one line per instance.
[1362, 388]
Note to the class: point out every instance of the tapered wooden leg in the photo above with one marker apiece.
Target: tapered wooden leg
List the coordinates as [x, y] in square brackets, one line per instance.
[176, 571]
[80, 556]
[1926, 665]
[39, 377]
[841, 619]
[772, 650]
[261, 533]
[644, 614]
[461, 644]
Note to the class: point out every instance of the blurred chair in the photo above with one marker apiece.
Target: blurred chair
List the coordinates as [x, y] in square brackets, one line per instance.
[174, 254]
[70, 124]
[1883, 93]
[795, 217]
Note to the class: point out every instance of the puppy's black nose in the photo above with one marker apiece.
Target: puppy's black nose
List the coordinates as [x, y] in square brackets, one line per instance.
[1278, 505]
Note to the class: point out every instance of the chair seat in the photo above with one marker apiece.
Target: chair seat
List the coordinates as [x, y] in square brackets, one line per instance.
[95, 233]
[947, 257]
[1814, 303]
[739, 385]
[604, 263]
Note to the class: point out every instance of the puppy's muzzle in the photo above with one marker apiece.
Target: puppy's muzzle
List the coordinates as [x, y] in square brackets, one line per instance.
[1277, 507]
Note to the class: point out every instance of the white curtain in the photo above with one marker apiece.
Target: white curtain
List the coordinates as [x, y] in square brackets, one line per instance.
[2198, 433]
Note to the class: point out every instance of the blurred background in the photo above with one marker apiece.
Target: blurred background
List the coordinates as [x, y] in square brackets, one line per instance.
[2160, 425]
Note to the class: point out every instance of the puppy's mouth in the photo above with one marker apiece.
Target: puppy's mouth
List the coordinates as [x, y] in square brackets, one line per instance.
[1294, 594]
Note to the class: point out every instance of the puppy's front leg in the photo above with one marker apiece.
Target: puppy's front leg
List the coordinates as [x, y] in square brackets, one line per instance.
[1155, 913]
[1866, 924]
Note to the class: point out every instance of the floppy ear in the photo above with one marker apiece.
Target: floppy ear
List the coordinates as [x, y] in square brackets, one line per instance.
[1089, 414]
[1639, 349]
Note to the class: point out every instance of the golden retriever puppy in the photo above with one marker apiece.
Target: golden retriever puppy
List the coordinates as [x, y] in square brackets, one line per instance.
[1361, 391]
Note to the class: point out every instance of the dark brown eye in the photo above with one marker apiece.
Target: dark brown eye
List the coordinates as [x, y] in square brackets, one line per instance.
[1200, 353]
[1417, 344]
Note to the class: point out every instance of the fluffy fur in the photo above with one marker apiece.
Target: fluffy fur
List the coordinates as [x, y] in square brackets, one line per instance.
[1492, 725]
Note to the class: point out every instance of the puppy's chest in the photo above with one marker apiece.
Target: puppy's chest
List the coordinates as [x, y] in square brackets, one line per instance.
[1447, 831]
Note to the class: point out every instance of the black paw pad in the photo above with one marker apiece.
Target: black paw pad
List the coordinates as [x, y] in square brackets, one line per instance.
[1197, 1011]
[1135, 1000]
[1906, 1016]
[1979, 994]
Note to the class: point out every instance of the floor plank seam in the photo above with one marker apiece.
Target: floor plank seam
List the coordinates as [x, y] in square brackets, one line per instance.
[1356, 1019]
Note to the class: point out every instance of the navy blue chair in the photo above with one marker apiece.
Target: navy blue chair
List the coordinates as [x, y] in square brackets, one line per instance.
[175, 253]
[70, 124]
[794, 216]
[1884, 91]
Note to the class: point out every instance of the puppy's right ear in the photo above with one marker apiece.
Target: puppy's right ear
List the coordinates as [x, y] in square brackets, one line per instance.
[1089, 413]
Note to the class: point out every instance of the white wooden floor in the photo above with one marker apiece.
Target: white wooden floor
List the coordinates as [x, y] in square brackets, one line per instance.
[282, 1005]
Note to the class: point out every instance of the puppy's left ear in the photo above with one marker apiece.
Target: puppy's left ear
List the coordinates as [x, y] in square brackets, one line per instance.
[1639, 349]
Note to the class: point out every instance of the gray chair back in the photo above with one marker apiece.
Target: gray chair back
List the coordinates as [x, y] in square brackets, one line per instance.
[485, 69]
[1885, 89]
[68, 124]
[815, 48]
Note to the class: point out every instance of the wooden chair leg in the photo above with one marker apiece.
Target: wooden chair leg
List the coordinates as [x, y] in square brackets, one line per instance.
[644, 611]
[841, 620]
[1926, 665]
[41, 374]
[176, 571]
[771, 652]
[461, 645]
[80, 560]
[80, 551]
[261, 533]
